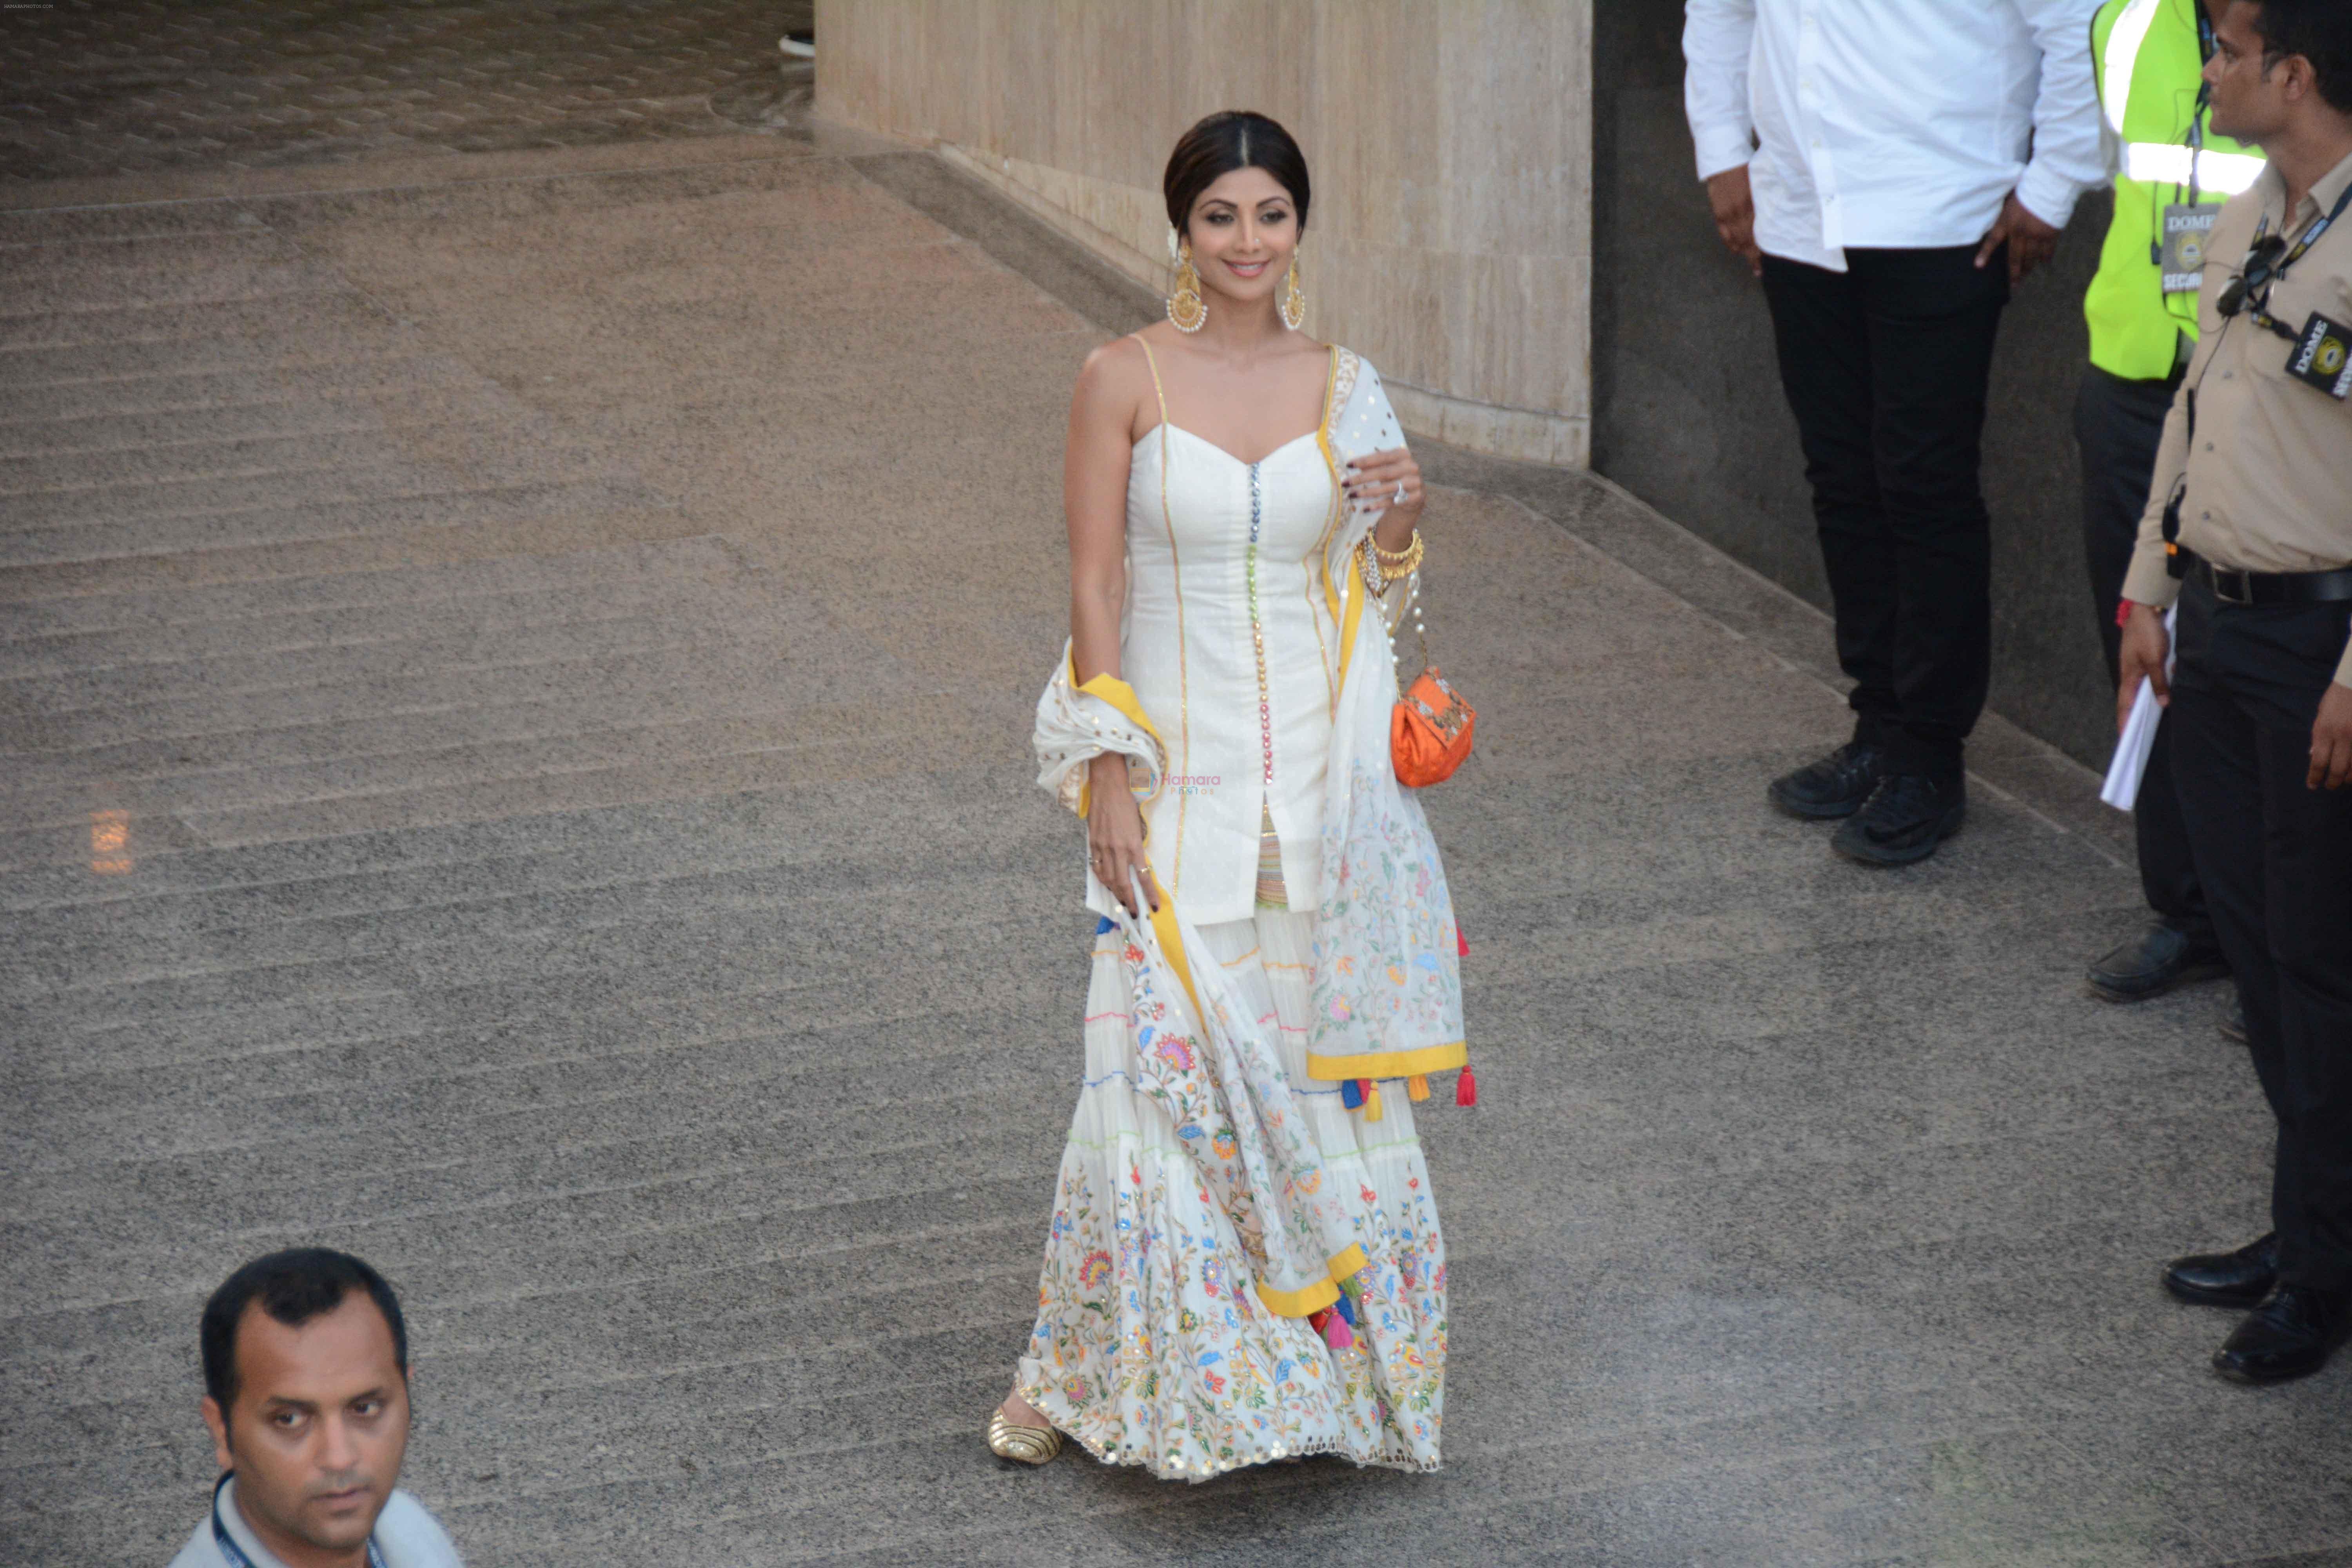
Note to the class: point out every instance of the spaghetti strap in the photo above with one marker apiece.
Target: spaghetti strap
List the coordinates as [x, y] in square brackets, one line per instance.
[1161, 397]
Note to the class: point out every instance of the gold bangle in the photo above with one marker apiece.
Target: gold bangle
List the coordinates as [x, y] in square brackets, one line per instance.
[1397, 564]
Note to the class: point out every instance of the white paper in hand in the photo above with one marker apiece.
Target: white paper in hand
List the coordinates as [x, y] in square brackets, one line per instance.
[2131, 761]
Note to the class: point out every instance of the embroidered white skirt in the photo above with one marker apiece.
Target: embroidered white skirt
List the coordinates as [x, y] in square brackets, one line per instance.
[1152, 1346]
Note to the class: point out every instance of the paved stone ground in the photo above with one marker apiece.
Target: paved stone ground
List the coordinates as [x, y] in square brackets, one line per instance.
[99, 86]
[514, 677]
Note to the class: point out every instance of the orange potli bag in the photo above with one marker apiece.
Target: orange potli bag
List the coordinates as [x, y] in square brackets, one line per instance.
[1430, 728]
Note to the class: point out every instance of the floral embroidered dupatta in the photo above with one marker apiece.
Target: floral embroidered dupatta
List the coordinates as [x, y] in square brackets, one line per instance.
[1388, 979]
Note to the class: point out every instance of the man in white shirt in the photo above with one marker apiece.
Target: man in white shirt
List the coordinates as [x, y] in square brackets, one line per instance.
[306, 1391]
[1890, 168]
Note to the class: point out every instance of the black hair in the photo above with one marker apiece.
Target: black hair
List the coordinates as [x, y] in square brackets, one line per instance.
[1228, 140]
[293, 1287]
[2318, 31]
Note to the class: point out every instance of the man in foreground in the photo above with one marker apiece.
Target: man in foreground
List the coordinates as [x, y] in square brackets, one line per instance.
[306, 1391]
[2248, 524]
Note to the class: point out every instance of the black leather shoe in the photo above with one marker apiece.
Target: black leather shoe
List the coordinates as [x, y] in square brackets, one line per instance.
[2234, 1028]
[2240, 1278]
[1834, 786]
[1903, 820]
[2289, 1335]
[2152, 963]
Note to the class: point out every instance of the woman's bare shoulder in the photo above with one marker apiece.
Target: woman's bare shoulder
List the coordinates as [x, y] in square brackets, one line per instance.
[1114, 384]
[1117, 366]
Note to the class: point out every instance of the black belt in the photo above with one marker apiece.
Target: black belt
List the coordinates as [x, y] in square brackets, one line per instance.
[2235, 587]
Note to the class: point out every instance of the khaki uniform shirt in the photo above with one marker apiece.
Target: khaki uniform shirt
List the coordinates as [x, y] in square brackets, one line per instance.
[2270, 468]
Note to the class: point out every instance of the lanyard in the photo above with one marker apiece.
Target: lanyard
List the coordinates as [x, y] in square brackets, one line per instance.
[2264, 275]
[2204, 98]
[2196, 134]
[2310, 235]
[235, 1554]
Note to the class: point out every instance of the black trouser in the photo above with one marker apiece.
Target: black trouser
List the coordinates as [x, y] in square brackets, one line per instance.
[2275, 858]
[1885, 366]
[2119, 425]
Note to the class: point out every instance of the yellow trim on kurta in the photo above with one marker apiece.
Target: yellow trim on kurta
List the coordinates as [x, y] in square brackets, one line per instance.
[1389, 1064]
[1317, 1296]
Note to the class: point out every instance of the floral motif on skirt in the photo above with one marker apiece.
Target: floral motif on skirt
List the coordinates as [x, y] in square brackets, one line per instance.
[1152, 1346]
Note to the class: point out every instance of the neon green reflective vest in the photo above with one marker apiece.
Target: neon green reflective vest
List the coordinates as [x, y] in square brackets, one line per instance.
[2147, 61]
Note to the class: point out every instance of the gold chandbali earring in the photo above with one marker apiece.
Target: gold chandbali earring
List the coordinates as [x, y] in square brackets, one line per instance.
[1294, 301]
[1187, 312]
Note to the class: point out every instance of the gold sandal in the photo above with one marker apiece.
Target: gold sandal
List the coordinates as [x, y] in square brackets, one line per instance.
[1022, 1445]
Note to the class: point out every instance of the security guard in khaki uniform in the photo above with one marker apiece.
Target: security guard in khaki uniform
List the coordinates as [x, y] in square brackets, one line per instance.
[2171, 175]
[2249, 524]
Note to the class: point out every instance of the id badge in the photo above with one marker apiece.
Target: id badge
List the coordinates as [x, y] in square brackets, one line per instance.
[2181, 258]
[2323, 356]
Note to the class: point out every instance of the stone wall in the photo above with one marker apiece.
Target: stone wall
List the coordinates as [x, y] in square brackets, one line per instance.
[1450, 140]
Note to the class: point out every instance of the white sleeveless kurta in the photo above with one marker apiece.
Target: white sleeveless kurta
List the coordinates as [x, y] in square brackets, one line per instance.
[1160, 1340]
[1233, 653]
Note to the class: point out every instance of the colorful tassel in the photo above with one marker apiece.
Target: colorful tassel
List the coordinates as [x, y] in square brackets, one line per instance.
[1104, 923]
[1351, 1093]
[1336, 1333]
[1465, 1088]
[1417, 1087]
[1345, 1308]
[1461, 941]
[1371, 1101]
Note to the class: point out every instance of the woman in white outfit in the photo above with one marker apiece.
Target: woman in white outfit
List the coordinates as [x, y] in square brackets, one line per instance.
[1244, 1262]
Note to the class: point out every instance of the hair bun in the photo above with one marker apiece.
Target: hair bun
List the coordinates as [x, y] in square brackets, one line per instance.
[1228, 140]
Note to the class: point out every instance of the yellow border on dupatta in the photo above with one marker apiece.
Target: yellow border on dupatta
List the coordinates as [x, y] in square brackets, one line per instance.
[1389, 1064]
[1317, 1296]
[1119, 695]
[1163, 926]
[1354, 615]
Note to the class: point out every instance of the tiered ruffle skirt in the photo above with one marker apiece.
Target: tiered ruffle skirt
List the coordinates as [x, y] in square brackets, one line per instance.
[1152, 1346]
